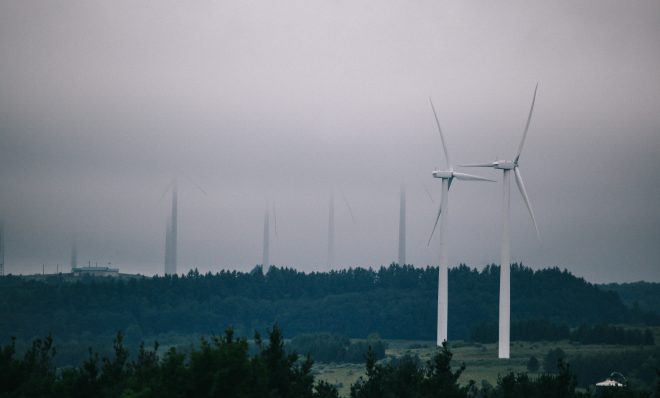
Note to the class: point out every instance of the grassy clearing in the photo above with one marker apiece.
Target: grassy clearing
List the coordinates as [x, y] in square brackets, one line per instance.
[341, 375]
[480, 359]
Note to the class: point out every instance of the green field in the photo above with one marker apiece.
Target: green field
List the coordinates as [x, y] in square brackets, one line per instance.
[480, 359]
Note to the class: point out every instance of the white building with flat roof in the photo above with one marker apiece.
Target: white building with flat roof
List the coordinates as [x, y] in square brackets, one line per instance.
[95, 271]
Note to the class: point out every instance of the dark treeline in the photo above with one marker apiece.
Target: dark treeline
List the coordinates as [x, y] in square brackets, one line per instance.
[527, 330]
[644, 296]
[607, 334]
[543, 330]
[641, 366]
[406, 378]
[222, 367]
[330, 347]
[396, 302]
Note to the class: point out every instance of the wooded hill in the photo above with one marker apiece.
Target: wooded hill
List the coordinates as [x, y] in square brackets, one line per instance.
[644, 296]
[397, 302]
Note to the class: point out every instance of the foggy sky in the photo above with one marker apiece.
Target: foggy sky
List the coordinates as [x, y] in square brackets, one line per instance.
[102, 103]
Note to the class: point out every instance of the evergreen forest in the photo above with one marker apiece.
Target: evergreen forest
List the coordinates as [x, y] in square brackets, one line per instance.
[397, 302]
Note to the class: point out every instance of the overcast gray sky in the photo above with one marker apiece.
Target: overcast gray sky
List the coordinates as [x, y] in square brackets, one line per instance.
[102, 102]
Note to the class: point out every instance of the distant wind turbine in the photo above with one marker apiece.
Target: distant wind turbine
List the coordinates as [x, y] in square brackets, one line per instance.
[331, 232]
[331, 228]
[172, 229]
[447, 177]
[74, 255]
[265, 260]
[402, 225]
[171, 234]
[2, 248]
[266, 249]
[505, 260]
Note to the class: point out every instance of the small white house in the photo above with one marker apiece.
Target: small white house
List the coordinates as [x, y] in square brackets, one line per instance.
[609, 383]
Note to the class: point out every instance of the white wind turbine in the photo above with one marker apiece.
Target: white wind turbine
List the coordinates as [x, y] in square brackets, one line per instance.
[402, 225]
[505, 256]
[446, 176]
[331, 233]
[74, 254]
[2, 248]
[171, 233]
[265, 262]
[172, 229]
[331, 228]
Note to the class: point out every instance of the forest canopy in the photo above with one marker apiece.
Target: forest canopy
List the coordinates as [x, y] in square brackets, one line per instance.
[397, 302]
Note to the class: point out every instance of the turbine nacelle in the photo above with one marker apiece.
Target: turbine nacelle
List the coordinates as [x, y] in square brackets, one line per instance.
[504, 164]
[444, 174]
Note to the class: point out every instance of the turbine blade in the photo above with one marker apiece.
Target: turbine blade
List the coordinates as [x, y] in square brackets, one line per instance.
[442, 137]
[167, 189]
[529, 119]
[449, 183]
[470, 177]
[428, 193]
[523, 192]
[196, 185]
[477, 165]
[436, 224]
[348, 206]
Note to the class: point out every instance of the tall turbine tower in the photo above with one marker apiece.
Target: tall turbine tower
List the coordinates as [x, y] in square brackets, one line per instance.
[171, 234]
[74, 255]
[402, 225]
[265, 260]
[447, 177]
[331, 232]
[505, 255]
[331, 228]
[171, 231]
[2, 248]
